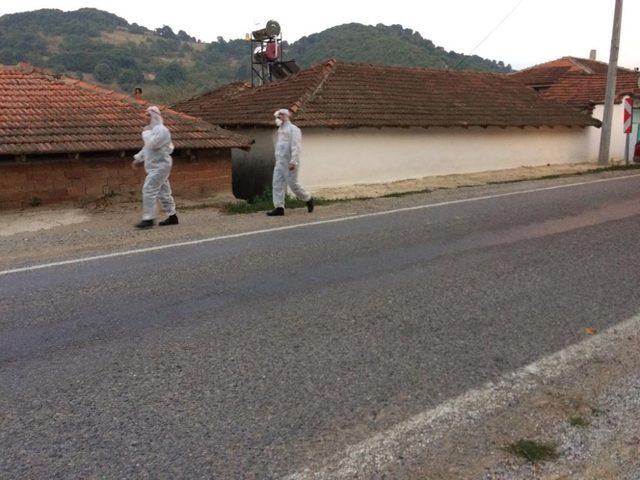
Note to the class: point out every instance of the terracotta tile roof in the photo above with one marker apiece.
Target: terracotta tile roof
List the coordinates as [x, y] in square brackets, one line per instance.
[541, 75]
[583, 91]
[550, 72]
[226, 91]
[249, 106]
[42, 114]
[576, 81]
[336, 94]
[594, 66]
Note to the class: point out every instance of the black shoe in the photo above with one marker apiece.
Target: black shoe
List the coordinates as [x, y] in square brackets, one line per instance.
[144, 224]
[172, 220]
[276, 212]
[310, 205]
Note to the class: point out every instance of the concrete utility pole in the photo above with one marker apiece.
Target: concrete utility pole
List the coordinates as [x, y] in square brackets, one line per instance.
[605, 136]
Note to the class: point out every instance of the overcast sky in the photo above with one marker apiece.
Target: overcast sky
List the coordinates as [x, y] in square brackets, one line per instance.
[538, 30]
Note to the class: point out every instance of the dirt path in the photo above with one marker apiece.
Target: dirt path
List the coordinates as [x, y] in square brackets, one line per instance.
[37, 220]
[453, 181]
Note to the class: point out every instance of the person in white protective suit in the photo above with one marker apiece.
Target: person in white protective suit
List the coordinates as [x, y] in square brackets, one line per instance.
[156, 156]
[285, 172]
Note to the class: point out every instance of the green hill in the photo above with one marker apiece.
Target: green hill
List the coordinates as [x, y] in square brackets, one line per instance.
[390, 45]
[100, 47]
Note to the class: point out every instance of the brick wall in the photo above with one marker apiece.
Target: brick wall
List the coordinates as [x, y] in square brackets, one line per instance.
[53, 180]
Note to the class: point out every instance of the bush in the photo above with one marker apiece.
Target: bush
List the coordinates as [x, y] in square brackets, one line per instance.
[8, 56]
[171, 74]
[75, 61]
[165, 32]
[104, 73]
[135, 28]
[185, 37]
[129, 78]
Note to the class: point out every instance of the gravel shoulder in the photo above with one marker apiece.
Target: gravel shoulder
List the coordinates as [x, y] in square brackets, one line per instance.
[604, 394]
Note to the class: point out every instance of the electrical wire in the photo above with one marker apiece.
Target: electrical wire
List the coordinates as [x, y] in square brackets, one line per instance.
[493, 30]
[513, 10]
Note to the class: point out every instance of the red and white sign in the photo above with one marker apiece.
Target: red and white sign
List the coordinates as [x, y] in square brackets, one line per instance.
[628, 114]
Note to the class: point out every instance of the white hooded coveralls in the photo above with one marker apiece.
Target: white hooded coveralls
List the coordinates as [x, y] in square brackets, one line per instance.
[288, 150]
[156, 155]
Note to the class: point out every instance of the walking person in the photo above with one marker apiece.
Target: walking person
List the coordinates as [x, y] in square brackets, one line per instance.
[156, 156]
[285, 173]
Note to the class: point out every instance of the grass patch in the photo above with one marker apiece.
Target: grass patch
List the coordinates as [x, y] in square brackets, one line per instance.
[199, 206]
[533, 451]
[578, 421]
[400, 194]
[264, 203]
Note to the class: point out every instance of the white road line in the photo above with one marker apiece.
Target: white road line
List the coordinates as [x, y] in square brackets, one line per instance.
[369, 458]
[303, 225]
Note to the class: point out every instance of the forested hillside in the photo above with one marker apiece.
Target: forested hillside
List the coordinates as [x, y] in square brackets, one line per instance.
[100, 47]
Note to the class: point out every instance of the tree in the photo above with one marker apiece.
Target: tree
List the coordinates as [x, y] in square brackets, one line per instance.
[171, 74]
[185, 37]
[165, 32]
[103, 73]
[8, 56]
[75, 61]
[243, 72]
[129, 78]
[135, 28]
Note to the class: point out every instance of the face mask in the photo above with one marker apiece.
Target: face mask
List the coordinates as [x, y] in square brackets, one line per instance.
[278, 122]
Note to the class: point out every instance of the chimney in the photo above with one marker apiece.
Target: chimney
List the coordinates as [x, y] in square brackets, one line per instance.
[593, 55]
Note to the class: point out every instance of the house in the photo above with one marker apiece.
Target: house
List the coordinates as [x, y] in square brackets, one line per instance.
[66, 140]
[369, 123]
[543, 76]
[581, 83]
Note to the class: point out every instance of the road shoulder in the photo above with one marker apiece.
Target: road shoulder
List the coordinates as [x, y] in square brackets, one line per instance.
[582, 401]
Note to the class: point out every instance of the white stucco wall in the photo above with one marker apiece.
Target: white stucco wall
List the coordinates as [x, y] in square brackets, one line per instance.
[264, 140]
[616, 151]
[366, 155]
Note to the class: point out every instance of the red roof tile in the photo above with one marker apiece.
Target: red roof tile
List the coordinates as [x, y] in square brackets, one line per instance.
[594, 66]
[541, 75]
[576, 81]
[550, 72]
[249, 106]
[337, 94]
[40, 114]
[583, 91]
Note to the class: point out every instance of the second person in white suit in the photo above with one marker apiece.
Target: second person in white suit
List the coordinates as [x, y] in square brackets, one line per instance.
[285, 173]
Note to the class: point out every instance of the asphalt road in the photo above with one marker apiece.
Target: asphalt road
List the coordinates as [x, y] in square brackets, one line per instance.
[256, 356]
